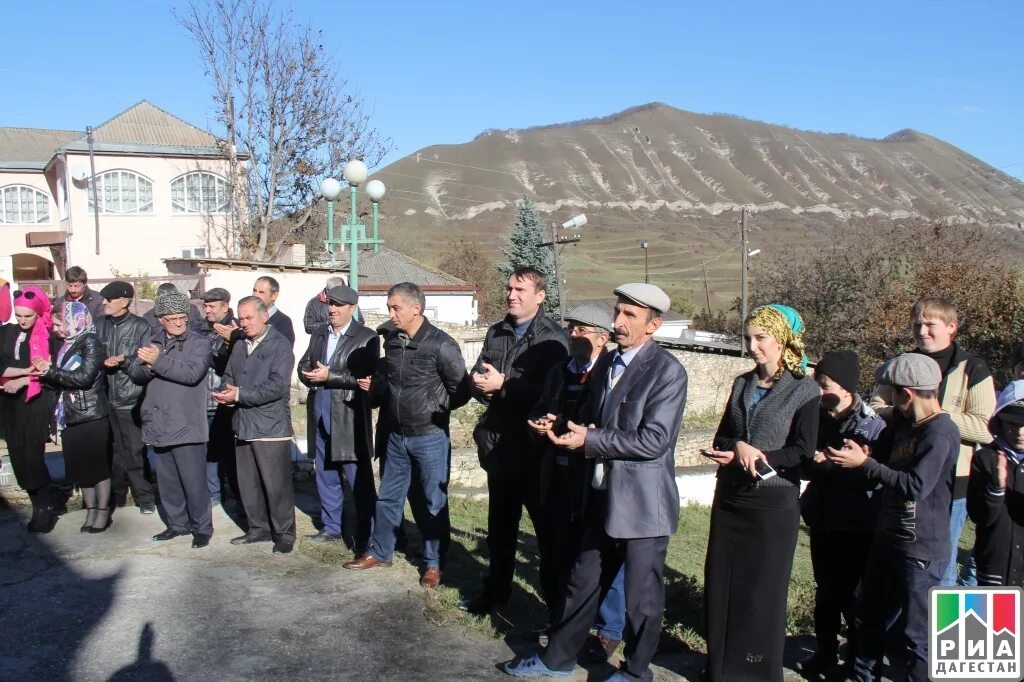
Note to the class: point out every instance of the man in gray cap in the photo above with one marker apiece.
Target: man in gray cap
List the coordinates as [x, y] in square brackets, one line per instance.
[341, 352]
[563, 477]
[912, 541]
[223, 331]
[626, 433]
[173, 369]
[123, 333]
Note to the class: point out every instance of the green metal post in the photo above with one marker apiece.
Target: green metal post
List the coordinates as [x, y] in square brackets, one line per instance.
[353, 256]
[376, 242]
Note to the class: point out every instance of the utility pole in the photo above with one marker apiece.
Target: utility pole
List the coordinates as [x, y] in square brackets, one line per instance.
[707, 290]
[555, 242]
[644, 245]
[743, 275]
[92, 181]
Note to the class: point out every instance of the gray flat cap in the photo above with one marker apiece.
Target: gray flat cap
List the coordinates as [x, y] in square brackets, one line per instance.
[171, 303]
[343, 295]
[593, 314]
[647, 295]
[911, 370]
[216, 294]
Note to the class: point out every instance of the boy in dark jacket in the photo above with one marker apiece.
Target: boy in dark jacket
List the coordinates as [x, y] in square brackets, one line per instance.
[995, 493]
[839, 506]
[912, 541]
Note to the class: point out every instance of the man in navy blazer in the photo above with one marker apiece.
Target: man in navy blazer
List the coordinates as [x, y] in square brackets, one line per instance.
[628, 436]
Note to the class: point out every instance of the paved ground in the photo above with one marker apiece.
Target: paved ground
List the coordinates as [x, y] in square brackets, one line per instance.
[118, 606]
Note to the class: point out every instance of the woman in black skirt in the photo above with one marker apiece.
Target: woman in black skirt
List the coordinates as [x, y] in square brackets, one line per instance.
[771, 417]
[26, 409]
[81, 413]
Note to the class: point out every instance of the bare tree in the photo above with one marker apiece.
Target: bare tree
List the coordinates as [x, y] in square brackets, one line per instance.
[281, 102]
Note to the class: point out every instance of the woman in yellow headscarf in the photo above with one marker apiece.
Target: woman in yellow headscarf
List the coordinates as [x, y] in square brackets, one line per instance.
[771, 419]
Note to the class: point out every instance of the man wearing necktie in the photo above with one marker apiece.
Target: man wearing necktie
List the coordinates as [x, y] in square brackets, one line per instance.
[340, 353]
[628, 432]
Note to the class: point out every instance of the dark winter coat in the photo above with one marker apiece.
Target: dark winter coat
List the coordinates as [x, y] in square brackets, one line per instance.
[263, 379]
[123, 336]
[355, 357]
[174, 403]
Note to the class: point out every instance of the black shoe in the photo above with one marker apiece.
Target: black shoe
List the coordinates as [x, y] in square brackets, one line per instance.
[44, 518]
[169, 534]
[249, 539]
[104, 527]
[283, 547]
[819, 667]
[323, 536]
[148, 508]
[200, 540]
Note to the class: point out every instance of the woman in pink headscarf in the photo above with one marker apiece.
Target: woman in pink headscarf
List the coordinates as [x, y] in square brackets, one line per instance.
[26, 408]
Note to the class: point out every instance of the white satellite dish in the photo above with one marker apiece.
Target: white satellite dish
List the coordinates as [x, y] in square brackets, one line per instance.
[80, 176]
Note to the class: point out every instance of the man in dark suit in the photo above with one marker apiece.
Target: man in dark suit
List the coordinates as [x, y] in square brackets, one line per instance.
[267, 290]
[341, 352]
[631, 507]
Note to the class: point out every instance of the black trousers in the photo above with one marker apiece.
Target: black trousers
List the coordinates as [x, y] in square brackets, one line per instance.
[599, 561]
[29, 464]
[559, 536]
[510, 487]
[265, 484]
[181, 475]
[839, 559]
[128, 465]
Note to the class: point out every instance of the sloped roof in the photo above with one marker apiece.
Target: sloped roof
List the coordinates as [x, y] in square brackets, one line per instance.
[141, 128]
[147, 124]
[387, 267]
[31, 147]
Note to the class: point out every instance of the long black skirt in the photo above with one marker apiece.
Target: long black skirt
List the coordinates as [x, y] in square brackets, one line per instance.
[86, 452]
[746, 581]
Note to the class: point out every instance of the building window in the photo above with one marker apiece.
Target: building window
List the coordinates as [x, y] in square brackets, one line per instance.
[199, 192]
[193, 252]
[22, 205]
[122, 192]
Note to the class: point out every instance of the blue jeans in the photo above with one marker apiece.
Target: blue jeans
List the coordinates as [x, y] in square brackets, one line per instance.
[331, 490]
[894, 584]
[957, 519]
[613, 609]
[429, 456]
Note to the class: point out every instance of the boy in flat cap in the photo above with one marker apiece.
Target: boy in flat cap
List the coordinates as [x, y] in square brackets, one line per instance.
[839, 506]
[123, 333]
[626, 434]
[912, 541]
[995, 493]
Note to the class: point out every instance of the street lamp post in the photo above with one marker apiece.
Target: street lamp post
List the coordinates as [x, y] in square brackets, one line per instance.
[354, 233]
[643, 245]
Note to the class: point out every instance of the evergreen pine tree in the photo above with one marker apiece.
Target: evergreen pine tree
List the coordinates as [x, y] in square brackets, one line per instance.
[522, 250]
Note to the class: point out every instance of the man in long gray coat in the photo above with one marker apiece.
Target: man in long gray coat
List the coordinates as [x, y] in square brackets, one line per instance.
[173, 369]
[257, 381]
[631, 507]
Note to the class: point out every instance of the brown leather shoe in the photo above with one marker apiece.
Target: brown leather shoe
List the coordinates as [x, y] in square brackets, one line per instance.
[431, 577]
[364, 562]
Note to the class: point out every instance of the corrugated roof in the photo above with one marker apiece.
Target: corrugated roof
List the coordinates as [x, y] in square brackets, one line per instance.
[32, 146]
[387, 267]
[147, 124]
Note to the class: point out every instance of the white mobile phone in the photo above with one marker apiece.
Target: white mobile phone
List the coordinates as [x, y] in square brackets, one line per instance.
[764, 470]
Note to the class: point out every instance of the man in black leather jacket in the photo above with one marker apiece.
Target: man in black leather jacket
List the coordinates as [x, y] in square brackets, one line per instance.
[422, 379]
[223, 331]
[508, 377]
[123, 333]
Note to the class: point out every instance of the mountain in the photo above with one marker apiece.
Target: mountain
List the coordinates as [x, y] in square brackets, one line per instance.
[678, 180]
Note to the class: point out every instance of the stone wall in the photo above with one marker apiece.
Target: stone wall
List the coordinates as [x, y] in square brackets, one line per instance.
[710, 380]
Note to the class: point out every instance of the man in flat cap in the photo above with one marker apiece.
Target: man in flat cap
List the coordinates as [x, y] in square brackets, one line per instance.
[338, 415]
[912, 538]
[123, 333]
[517, 355]
[626, 434]
[223, 331]
[563, 478]
[173, 368]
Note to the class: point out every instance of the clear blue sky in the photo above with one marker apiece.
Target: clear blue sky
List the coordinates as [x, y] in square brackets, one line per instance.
[442, 71]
